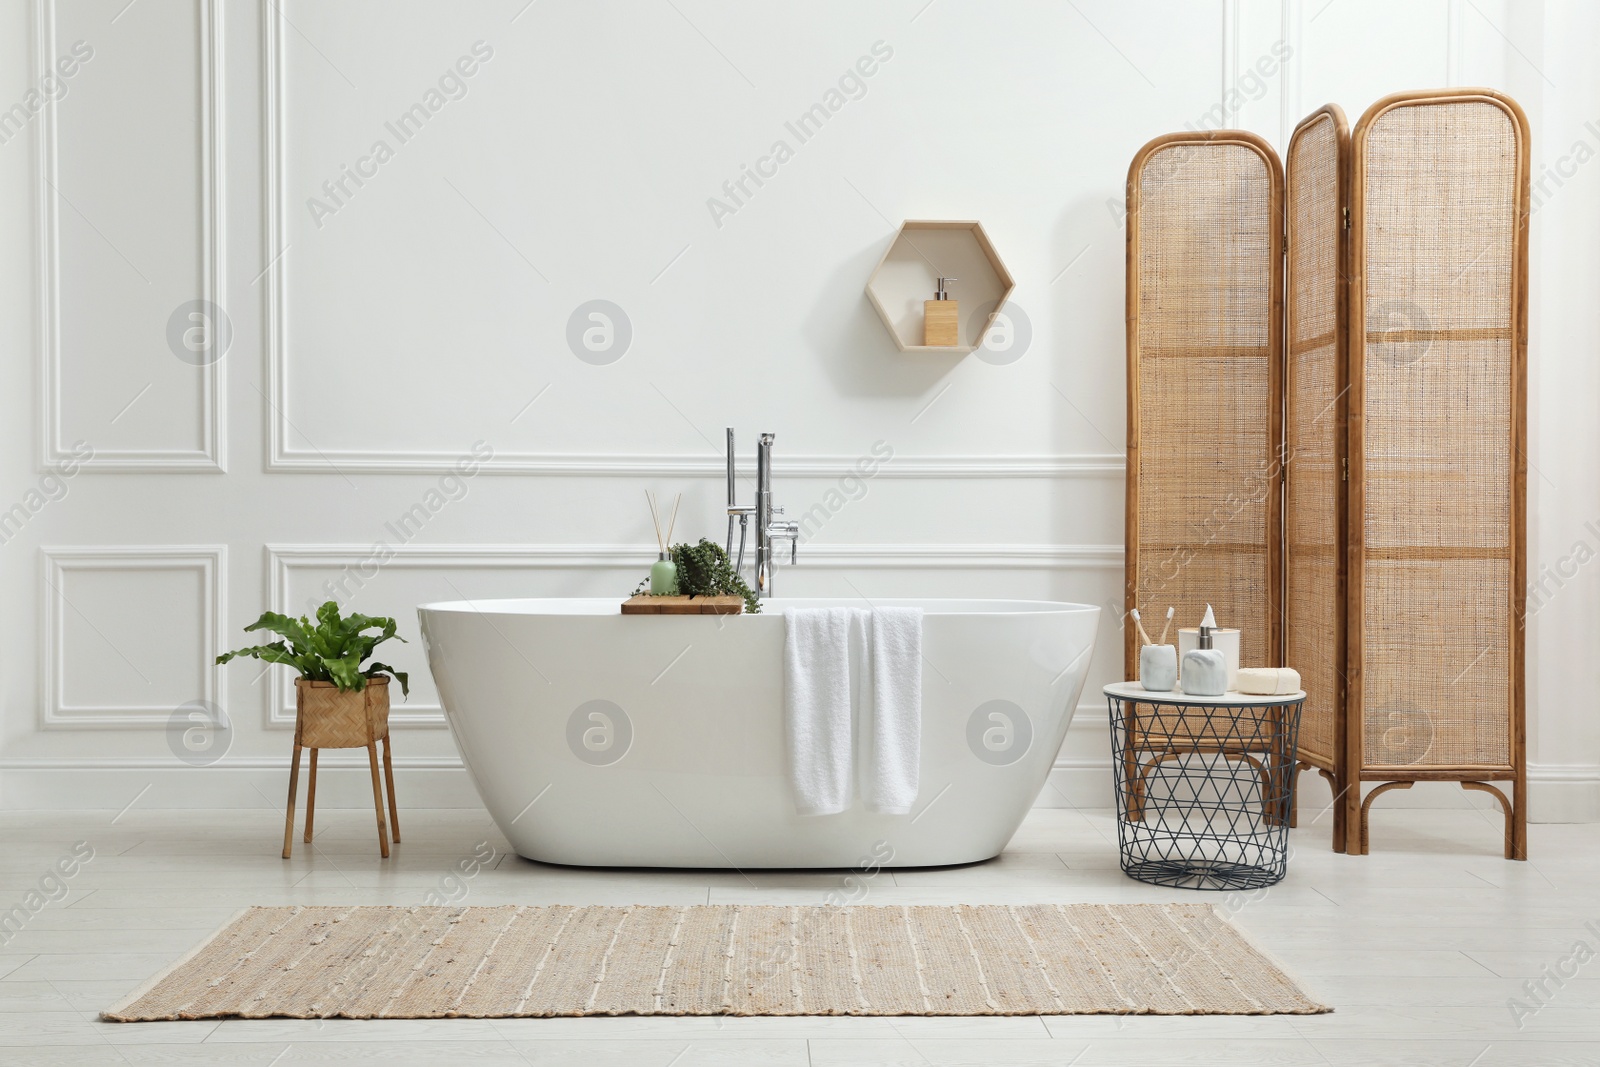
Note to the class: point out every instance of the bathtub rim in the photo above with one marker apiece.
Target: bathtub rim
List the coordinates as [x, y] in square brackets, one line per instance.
[604, 607]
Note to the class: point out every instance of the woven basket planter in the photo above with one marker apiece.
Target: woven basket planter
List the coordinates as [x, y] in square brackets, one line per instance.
[326, 717]
[330, 718]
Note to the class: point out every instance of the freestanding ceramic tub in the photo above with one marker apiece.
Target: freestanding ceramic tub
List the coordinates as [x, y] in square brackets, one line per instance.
[601, 739]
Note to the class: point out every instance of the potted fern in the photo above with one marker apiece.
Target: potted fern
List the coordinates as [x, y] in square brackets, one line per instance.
[339, 695]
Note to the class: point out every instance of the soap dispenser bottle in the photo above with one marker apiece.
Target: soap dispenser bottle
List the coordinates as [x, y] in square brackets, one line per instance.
[941, 318]
[1205, 669]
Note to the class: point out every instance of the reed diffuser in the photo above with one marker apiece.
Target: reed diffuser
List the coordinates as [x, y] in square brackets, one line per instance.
[663, 572]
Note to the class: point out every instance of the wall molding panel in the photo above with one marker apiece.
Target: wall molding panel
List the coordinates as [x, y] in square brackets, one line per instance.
[209, 561]
[1290, 111]
[1065, 465]
[1230, 55]
[1455, 41]
[281, 426]
[211, 457]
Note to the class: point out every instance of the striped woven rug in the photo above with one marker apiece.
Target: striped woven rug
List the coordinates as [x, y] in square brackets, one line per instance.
[504, 962]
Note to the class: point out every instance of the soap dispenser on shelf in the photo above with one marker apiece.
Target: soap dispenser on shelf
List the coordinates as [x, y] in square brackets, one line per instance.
[941, 318]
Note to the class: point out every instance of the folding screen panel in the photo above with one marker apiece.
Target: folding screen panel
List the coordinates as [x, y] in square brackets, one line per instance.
[1438, 372]
[1316, 180]
[1381, 550]
[1205, 386]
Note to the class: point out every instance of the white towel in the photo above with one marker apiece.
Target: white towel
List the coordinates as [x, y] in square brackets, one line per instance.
[893, 755]
[853, 679]
[818, 693]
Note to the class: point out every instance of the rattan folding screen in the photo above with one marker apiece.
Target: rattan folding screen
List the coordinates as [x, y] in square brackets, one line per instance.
[1438, 475]
[1391, 569]
[1317, 181]
[1205, 384]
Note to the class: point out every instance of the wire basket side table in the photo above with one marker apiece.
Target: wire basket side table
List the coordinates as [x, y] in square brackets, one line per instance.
[1204, 786]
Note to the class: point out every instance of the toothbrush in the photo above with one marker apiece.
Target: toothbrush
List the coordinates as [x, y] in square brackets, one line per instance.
[1170, 612]
[1142, 635]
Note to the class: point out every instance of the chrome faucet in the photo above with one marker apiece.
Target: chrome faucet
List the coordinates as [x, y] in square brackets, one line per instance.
[768, 530]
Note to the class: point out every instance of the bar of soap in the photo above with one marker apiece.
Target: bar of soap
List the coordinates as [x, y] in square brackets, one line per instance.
[1268, 681]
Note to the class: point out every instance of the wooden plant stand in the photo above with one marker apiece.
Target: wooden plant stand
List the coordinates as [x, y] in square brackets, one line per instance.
[325, 717]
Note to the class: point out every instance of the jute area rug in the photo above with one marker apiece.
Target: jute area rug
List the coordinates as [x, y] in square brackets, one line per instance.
[506, 962]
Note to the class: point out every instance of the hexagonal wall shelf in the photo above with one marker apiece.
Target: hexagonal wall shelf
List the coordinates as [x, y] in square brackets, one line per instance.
[924, 251]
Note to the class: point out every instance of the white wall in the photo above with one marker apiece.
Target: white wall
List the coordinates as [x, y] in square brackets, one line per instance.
[378, 337]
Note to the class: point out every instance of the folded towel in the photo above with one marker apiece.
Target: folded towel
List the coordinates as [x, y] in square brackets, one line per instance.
[893, 755]
[818, 695]
[853, 680]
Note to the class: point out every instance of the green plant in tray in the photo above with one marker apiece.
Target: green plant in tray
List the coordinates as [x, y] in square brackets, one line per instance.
[331, 649]
[705, 570]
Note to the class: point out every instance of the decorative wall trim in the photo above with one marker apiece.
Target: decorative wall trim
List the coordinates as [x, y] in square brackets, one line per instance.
[245, 782]
[273, 192]
[1064, 465]
[1230, 56]
[1290, 109]
[211, 563]
[1557, 794]
[283, 560]
[212, 457]
[1454, 42]
[1563, 793]
[330, 758]
[461, 557]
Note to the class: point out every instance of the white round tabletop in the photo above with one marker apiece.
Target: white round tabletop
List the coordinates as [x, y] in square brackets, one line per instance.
[1135, 691]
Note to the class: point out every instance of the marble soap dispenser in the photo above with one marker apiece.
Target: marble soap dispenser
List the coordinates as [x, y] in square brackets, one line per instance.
[1205, 669]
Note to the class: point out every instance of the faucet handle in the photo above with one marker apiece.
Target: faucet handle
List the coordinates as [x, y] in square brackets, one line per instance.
[789, 530]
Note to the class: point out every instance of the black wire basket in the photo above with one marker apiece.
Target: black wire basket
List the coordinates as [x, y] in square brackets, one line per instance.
[1204, 791]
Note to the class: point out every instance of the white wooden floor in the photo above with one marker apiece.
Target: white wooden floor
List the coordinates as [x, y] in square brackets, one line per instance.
[1419, 946]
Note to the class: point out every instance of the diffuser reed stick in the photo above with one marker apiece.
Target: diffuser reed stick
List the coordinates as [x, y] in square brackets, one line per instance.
[655, 520]
[1144, 637]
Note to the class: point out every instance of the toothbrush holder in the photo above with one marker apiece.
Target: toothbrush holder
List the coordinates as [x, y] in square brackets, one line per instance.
[1158, 668]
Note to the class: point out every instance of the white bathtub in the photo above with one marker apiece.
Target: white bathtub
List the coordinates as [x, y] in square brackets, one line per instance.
[601, 739]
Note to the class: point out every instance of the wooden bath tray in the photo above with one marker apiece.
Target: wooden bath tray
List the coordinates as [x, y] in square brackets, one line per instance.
[683, 605]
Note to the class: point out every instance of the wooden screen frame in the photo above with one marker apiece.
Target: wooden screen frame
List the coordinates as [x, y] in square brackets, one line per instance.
[1356, 809]
[1334, 768]
[1275, 332]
